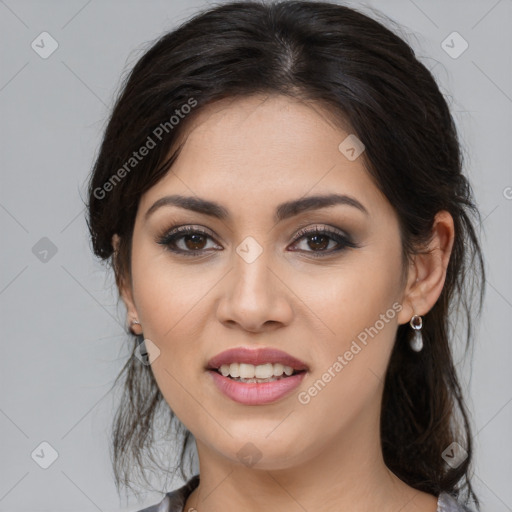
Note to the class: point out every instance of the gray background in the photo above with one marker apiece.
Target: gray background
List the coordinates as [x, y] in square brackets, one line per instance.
[61, 326]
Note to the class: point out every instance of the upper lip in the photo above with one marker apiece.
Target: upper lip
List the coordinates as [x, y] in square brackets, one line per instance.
[255, 356]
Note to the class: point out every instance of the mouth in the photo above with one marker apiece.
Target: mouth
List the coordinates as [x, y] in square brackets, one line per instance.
[256, 376]
[249, 365]
[249, 373]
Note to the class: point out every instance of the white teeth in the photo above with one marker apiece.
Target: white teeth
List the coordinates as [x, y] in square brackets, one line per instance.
[234, 370]
[278, 369]
[249, 371]
[246, 371]
[264, 371]
[288, 370]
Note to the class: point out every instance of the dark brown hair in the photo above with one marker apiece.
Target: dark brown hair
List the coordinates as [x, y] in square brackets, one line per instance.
[369, 79]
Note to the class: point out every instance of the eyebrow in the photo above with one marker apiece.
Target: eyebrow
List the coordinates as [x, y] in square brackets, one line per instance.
[283, 211]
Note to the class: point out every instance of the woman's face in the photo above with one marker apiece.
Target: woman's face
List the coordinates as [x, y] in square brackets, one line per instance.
[255, 279]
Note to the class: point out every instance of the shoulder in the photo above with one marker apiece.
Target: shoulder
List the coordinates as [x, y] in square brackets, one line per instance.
[162, 506]
[447, 503]
[174, 501]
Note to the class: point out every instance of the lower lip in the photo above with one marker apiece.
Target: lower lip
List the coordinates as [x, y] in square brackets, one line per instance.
[256, 393]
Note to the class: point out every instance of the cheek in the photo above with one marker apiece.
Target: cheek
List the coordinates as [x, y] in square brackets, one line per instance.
[168, 300]
[358, 306]
[167, 293]
[354, 300]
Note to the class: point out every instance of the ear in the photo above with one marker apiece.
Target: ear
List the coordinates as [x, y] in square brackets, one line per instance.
[427, 272]
[125, 291]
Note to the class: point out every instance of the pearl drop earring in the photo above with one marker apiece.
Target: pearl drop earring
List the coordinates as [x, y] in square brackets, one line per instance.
[416, 342]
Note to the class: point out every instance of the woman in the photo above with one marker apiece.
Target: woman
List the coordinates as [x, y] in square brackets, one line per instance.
[280, 192]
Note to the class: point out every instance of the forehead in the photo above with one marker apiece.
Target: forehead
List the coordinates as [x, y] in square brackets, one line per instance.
[264, 149]
[266, 126]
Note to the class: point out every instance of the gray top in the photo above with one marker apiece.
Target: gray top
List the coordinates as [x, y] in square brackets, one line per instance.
[174, 501]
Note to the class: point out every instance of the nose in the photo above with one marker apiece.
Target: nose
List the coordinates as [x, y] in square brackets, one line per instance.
[255, 297]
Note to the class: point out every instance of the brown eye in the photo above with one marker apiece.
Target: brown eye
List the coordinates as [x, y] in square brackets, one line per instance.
[186, 240]
[194, 242]
[318, 240]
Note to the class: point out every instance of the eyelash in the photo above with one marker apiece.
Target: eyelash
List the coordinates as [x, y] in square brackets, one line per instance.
[173, 235]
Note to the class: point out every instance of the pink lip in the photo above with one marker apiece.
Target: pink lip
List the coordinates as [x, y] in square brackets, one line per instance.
[255, 356]
[256, 393]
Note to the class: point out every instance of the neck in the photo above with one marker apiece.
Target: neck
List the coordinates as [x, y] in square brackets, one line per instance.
[348, 474]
